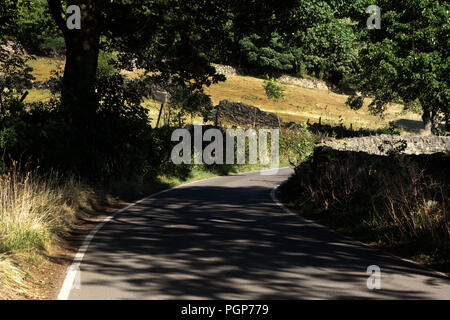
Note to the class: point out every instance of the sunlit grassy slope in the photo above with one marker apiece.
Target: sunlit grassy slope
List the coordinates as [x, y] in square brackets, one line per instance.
[36, 95]
[43, 67]
[298, 105]
[301, 104]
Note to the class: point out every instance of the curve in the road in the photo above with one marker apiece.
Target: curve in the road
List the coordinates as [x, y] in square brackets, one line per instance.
[225, 238]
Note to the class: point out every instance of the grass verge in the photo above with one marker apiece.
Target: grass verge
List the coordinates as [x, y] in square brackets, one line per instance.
[39, 215]
[398, 203]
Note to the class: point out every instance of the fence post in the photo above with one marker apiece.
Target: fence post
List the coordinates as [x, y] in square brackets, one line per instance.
[159, 116]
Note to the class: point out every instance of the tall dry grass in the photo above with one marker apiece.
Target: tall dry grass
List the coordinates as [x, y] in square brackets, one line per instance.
[35, 209]
[416, 205]
[399, 201]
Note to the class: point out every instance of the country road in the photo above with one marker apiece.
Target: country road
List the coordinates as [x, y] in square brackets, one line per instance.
[225, 238]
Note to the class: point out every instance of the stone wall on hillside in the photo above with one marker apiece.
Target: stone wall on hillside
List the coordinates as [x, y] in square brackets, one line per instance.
[414, 144]
[314, 84]
[225, 70]
[243, 114]
[303, 82]
[285, 79]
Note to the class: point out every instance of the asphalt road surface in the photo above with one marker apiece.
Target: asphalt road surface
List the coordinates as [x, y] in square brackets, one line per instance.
[225, 238]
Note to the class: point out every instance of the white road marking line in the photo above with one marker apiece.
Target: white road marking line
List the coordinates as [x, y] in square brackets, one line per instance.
[74, 268]
[75, 265]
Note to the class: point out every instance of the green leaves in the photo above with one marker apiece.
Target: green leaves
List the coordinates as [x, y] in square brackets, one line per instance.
[15, 75]
[408, 58]
[270, 54]
[355, 102]
[274, 90]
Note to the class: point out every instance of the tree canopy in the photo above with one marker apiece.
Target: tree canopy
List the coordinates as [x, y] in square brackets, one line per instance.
[175, 41]
[407, 60]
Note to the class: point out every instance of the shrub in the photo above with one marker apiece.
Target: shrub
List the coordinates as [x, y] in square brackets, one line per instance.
[274, 90]
[355, 102]
[296, 146]
[116, 144]
[121, 140]
[105, 67]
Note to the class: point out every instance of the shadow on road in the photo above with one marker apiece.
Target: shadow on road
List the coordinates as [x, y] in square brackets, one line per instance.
[213, 242]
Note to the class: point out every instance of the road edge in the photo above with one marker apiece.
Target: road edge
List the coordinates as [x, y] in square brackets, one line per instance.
[287, 210]
[73, 270]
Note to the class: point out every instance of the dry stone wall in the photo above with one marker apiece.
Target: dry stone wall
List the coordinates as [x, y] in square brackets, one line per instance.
[224, 70]
[243, 114]
[303, 82]
[286, 79]
[414, 144]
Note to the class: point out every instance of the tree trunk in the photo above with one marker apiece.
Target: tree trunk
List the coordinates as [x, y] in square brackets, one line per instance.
[78, 96]
[426, 118]
[431, 121]
[82, 48]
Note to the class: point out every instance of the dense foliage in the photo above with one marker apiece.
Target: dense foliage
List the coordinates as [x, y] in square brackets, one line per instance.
[272, 55]
[408, 59]
[98, 128]
[35, 29]
[274, 90]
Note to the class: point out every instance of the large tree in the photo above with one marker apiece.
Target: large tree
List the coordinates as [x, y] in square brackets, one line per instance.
[161, 36]
[267, 54]
[314, 37]
[326, 43]
[407, 60]
[170, 38]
